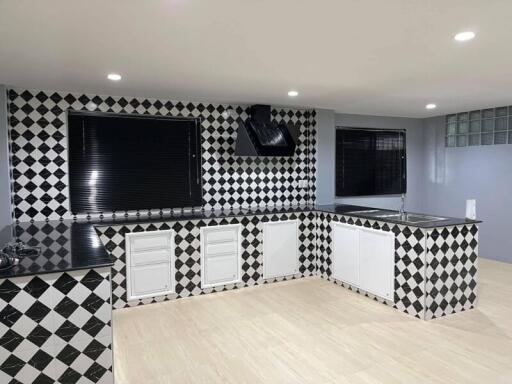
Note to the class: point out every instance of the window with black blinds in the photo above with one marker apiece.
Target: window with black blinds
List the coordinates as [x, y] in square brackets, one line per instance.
[370, 162]
[133, 162]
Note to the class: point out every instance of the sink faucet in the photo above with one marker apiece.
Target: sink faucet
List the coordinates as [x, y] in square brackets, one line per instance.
[402, 206]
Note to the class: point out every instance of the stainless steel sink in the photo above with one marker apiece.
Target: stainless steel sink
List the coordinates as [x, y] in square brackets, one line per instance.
[371, 212]
[368, 211]
[393, 215]
[411, 217]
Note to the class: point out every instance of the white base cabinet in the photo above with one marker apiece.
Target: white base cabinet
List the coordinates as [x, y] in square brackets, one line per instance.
[280, 248]
[220, 255]
[364, 257]
[345, 251]
[376, 262]
[149, 264]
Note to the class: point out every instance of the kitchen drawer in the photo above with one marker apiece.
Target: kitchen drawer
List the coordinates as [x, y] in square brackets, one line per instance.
[144, 241]
[149, 264]
[150, 257]
[149, 280]
[221, 248]
[222, 235]
[221, 269]
[220, 255]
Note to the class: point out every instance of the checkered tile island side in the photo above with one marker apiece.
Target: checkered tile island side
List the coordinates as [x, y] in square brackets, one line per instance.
[451, 271]
[56, 328]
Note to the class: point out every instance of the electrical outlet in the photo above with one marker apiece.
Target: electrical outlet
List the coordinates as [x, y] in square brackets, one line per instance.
[303, 183]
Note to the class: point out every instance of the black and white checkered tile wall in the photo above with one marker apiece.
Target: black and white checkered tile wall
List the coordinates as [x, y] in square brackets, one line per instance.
[409, 296]
[188, 253]
[56, 328]
[451, 270]
[38, 145]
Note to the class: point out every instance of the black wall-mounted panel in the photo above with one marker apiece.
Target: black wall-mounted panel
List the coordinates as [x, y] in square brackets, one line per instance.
[121, 162]
[370, 162]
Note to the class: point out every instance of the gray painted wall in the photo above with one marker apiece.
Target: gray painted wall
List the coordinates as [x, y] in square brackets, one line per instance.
[5, 184]
[325, 156]
[415, 150]
[483, 173]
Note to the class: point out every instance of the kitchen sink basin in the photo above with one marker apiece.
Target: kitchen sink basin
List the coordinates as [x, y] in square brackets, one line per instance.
[411, 217]
[371, 212]
[394, 215]
[367, 211]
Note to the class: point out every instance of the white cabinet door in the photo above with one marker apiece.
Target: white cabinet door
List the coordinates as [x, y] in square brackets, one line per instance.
[376, 262]
[221, 269]
[151, 279]
[280, 249]
[220, 255]
[149, 264]
[345, 253]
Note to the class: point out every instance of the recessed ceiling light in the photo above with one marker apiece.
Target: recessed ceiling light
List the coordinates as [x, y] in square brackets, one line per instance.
[431, 106]
[464, 36]
[114, 76]
[293, 93]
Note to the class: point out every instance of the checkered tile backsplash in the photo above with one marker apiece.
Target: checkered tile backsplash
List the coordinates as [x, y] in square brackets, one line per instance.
[56, 328]
[188, 253]
[38, 147]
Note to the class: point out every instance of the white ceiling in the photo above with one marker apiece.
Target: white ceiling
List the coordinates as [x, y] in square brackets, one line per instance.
[357, 56]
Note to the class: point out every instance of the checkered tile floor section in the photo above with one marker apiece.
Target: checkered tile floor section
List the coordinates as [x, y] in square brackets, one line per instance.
[56, 328]
[188, 253]
[37, 130]
[451, 270]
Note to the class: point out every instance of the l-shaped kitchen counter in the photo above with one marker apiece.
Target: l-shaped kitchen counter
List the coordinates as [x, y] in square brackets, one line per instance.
[60, 301]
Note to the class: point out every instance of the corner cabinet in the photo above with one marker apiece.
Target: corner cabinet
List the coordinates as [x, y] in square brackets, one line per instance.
[364, 257]
[220, 255]
[280, 248]
[149, 264]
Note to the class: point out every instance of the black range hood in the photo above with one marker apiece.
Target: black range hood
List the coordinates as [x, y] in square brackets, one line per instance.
[258, 136]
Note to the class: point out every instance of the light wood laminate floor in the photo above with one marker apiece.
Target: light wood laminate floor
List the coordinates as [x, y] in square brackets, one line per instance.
[312, 331]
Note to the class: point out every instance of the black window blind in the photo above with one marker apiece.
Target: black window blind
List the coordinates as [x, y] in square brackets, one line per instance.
[132, 162]
[370, 162]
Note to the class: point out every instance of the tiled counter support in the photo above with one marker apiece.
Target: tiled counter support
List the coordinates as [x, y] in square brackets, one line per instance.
[435, 269]
[409, 260]
[451, 270]
[188, 252]
[56, 328]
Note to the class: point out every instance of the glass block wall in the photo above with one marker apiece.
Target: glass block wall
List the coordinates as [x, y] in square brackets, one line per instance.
[483, 127]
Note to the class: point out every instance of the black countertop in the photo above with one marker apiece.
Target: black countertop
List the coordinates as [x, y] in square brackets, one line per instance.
[72, 245]
[64, 246]
[361, 212]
